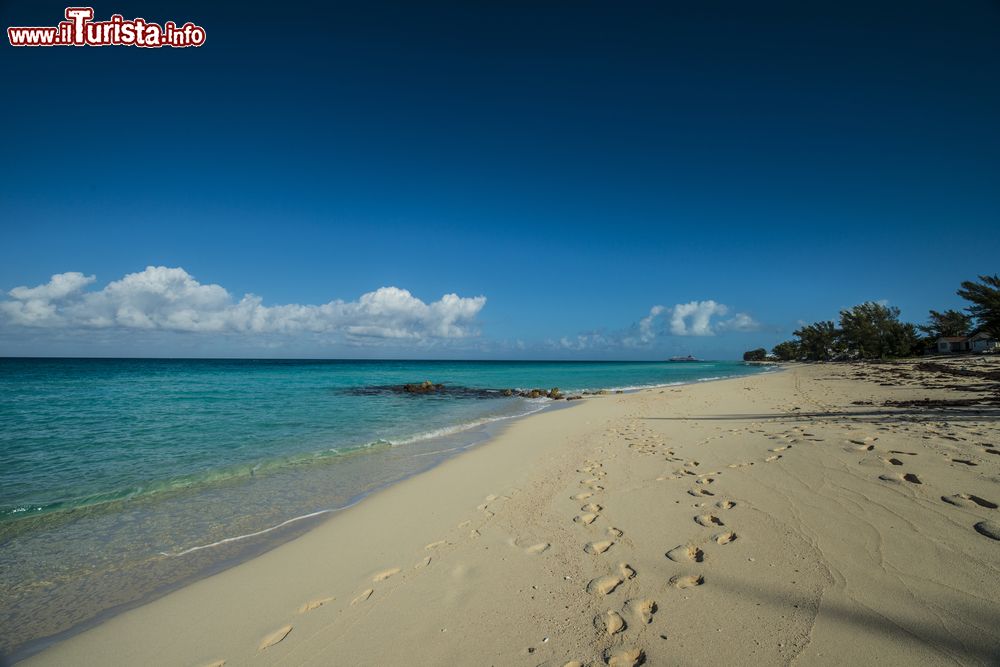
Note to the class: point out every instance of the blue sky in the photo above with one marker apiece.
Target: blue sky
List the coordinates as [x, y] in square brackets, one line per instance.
[576, 164]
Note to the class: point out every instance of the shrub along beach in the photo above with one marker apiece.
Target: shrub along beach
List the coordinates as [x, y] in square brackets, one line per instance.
[874, 331]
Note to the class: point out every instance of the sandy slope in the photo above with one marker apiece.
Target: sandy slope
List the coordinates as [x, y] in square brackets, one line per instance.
[762, 520]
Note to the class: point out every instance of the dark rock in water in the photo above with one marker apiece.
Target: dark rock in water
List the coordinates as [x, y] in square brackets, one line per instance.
[574, 398]
[428, 388]
[425, 387]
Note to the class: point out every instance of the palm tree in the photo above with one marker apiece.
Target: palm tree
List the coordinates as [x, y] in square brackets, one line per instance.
[985, 299]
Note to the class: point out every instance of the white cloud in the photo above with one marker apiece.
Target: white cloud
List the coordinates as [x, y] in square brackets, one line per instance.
[646, 331]
[170, 299]
[739, 322]
[695, 318]
[59, 287]
[586, 341]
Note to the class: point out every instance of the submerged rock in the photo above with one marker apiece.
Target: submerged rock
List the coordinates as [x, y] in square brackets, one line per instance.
[425, 387]
[454, 391]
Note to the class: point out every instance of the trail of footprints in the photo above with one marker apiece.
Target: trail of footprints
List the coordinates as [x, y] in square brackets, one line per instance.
[364, 596]
[636, 612]
[938, 431]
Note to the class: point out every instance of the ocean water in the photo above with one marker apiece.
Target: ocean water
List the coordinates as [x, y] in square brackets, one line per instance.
[121, 479]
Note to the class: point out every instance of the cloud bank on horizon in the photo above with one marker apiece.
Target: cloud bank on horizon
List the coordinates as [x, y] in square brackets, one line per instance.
[169, 299]
[695, 318]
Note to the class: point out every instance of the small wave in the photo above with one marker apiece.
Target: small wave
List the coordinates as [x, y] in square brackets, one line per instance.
[641, 387]
[238, 538]
[468, 426]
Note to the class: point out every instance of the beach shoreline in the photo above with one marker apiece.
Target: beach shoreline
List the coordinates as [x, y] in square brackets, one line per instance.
[452, 442]
[569, 518]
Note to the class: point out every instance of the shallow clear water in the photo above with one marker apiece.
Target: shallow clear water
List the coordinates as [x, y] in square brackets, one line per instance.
[122, 478]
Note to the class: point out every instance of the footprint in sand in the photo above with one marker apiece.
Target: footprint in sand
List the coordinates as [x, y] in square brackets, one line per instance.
[595, 548]
[990, 529]
[612, 621]
[700, 492]
[604, 585]
[535, 549]
[891, 461]
[435, 545]
[581, 496]
[968, 500]
[591, 507]
[708, 520]
[422, 564]
[217, 663]
[314, 604]
[685, 553]
[780, 449]
[705, 480]
[896, 451]
[641, 610]
[626, 571]
[586, 519]
[614, 532]
[991, 451]
[724, 538]
[385, 574]
[274, 637]
[627, 658]
[965, 462]
[363, 595]
[687, 580]
[901, 477]
[773, 457]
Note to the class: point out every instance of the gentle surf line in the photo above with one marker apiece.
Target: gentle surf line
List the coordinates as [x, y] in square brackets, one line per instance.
[311, 515]
[259, 532]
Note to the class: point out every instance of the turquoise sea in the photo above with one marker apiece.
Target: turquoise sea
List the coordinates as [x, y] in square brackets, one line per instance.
[121, 479]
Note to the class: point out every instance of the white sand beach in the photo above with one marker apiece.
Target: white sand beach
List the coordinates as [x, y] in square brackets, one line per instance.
[788, 517]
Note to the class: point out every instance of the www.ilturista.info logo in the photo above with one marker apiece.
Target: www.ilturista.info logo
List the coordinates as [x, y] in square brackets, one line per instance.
[79, 29]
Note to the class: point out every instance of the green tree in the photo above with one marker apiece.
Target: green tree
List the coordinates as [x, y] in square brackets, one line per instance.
[873, 331]
[948, 323]
[786, 351]
[818, 341]
[985, 299]
[760, 354]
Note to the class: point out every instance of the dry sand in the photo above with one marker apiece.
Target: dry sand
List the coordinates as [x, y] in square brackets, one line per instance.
[761, 520]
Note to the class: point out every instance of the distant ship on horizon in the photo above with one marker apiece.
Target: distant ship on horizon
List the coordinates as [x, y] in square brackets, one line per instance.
[687, 358]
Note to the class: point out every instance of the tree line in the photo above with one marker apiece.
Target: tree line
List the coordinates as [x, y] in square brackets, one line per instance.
[874, 331]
